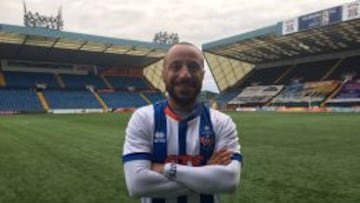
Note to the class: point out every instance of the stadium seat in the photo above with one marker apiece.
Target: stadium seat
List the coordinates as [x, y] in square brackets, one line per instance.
[81, 81]
[29, 79]
[122, 83]
[75, 99]
[122, 99]
[154, 96]
[22, 100]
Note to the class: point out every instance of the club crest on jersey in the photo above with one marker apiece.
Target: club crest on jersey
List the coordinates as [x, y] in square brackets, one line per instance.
[159, 137]
[207, 139]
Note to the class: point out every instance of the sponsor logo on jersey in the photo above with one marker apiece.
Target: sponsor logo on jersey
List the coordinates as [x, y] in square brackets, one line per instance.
[159, 137]
[191, 160]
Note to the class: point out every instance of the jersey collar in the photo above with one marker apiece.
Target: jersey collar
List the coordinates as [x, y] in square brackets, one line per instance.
[197, 111]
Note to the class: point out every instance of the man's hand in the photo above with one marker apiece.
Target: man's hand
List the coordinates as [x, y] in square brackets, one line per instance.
[221, 157]
[157, 167]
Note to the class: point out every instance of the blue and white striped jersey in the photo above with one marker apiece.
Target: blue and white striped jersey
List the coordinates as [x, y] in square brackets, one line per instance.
[156, 134]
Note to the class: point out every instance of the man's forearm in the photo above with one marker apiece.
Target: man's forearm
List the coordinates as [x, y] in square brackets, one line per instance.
[206, 179]
[143, 182]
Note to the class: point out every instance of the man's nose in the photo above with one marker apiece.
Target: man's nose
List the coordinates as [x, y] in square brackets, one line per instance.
[184, 71]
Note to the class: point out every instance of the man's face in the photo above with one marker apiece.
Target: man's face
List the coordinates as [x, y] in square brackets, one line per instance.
[183, 73]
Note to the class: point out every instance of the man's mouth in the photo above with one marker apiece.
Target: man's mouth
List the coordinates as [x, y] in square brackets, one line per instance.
[186, 84]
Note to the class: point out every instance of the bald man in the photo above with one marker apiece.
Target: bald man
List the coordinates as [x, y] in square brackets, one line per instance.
[178, 150]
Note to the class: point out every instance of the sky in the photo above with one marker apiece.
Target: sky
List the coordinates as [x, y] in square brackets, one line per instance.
[198, 22]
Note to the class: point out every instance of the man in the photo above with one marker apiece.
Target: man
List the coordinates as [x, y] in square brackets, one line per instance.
[178, 150]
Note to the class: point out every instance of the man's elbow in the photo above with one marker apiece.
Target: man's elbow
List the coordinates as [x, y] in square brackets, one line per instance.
[232, 181]
[136, 191]
[135, 186]
[136, 180]
[231, 187]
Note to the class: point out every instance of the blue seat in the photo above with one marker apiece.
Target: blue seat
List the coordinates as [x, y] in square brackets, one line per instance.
[23, 100]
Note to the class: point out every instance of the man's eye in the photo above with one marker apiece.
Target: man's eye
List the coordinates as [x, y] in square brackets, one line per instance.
[194, 67]
[176, 66]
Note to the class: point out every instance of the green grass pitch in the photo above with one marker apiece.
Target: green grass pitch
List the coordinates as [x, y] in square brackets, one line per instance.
[289, 157]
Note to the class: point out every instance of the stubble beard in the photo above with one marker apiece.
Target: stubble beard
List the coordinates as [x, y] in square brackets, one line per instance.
[182, 101]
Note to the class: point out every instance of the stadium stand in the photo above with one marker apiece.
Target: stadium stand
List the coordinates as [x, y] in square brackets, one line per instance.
[349, 67]
[123, 83]
[59, 80]
[74, 71]
[348, 95]
[265, 76]
[305, 94]
[71, 99]
[19, 100]
[74, 94]
[225, 97]
[310, 55]
[256, 95]
[307, 72]
[29, 79]
[122, 99]
[154, 96]
[81, 81]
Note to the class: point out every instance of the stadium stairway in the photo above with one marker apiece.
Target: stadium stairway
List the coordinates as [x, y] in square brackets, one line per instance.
[59, 80]
[269, 103]
[101, 101]
[332, 69]
[107, 83]
[332, 95]
[43, 101]
[145, 98]
[2, 80]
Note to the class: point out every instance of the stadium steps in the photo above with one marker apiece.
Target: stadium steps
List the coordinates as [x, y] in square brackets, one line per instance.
[101, 101]
[282, 76]
[332, 95]
[145, 98]
[107, 83]
[43, 101]
[270, 101]
[59, 80]
[332, 69]
[2, 80]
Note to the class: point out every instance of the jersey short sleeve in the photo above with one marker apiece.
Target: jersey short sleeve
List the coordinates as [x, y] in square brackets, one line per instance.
[139, 134]
[225, 131]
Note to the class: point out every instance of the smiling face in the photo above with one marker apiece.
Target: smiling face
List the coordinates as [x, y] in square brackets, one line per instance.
[183, 73]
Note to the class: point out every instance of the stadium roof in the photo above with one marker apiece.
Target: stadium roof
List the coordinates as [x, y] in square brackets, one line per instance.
[327, 31]
[269, 44]
[39, 44]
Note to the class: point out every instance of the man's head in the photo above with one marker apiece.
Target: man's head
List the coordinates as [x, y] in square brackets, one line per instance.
[183, 73]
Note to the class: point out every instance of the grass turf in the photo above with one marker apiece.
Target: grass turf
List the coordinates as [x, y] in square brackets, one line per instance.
[289, 157]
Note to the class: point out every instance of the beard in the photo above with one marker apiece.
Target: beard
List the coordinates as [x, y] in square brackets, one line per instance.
[182, 98]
